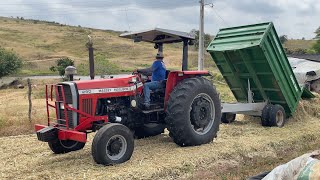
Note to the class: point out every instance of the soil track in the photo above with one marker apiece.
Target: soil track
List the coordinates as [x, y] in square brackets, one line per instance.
[24, 157]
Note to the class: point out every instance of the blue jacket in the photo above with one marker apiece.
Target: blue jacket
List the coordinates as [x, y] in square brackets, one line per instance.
[158, 71]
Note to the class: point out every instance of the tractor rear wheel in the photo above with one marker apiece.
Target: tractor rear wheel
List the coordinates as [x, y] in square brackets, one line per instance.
[228, 118]
[112, 144]
[148, 130]
[193, 112]
[65, 146]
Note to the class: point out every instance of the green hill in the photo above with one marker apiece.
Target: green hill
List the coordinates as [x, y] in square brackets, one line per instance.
[40, 44]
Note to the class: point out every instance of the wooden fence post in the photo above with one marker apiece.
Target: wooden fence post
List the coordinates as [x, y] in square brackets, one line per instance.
[29, 98]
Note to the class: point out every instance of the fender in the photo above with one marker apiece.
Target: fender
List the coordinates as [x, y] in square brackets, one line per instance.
[176, 76]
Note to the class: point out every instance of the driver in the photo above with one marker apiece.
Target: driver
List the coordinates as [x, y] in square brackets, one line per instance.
[158, 75]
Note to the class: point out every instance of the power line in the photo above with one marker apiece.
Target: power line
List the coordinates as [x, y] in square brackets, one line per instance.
[217, 14]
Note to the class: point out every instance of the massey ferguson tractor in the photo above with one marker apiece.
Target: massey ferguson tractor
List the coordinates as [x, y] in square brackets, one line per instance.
[188, 105]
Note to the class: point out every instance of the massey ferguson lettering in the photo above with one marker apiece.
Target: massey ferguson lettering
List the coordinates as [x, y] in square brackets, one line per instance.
[108, 90]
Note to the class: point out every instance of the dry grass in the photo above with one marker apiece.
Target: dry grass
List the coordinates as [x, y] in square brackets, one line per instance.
[299, 44]
[42, 43]
[14, 109]
[157, 157]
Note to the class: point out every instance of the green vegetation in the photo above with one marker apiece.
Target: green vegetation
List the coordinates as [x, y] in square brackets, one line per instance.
[316, 46]
[61, 65]
[207, 39]
[9, 62]
[102, 66]
[283, 39]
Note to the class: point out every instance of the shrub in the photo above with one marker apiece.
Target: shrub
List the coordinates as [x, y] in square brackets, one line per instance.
[61, 65]
[9, 62]
[316, 46]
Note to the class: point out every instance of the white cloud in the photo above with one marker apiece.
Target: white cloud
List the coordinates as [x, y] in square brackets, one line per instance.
[295, 18]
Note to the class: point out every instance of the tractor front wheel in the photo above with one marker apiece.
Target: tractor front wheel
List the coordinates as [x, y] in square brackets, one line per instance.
[193, 112]
[113, 144]
[65, 146]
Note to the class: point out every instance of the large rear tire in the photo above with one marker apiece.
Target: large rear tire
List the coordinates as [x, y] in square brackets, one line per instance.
[65, 146]
[148, 130]
[193, 112]
[113, 144]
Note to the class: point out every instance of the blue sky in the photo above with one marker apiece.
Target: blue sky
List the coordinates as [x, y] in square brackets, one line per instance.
[295, 18]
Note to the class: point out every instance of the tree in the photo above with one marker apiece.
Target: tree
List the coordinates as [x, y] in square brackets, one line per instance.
[207, 39]
[9, 62]
[283, 39]
[316, 46]
[61, 65]
[317, 33]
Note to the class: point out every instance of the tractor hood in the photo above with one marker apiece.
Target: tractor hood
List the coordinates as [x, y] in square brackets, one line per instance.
[119, 84]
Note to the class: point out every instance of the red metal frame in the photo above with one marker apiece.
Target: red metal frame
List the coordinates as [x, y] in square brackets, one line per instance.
[175, 77]
[64, 131]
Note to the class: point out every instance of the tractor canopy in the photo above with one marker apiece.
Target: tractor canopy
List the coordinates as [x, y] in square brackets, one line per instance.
[158, 35]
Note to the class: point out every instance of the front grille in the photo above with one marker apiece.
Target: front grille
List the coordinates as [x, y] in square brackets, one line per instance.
[67, 94]
[70, 118]
[68, 99]
[87, 106]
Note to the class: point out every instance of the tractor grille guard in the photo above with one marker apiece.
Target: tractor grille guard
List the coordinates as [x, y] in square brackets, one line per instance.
[62, 123]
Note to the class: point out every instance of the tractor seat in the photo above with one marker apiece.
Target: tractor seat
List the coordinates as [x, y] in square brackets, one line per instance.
[162, 89]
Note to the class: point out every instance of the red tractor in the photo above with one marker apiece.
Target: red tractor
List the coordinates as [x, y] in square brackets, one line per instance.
[188, 105]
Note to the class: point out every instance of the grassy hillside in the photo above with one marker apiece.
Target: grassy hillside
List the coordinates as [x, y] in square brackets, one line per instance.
[40, 44]
[296, 44]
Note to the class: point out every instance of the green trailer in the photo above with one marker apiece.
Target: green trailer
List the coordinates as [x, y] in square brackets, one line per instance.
[253, 63]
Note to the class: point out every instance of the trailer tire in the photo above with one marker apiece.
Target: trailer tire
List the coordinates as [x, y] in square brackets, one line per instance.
[193, 112]
[228, 118]
[277, 116]
[112, 144]
[148, 130]
[65, 146]
[265, 115]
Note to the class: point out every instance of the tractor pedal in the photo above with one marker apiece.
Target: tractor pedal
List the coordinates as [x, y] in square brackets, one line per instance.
[47, 134]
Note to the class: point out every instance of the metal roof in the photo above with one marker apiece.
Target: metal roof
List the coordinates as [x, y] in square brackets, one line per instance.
[158, 35]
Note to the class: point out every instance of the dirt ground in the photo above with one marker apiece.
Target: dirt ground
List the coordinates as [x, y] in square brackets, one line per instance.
[237, 144]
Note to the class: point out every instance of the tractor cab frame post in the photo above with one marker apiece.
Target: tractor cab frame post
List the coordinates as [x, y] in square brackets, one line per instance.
[185, 55]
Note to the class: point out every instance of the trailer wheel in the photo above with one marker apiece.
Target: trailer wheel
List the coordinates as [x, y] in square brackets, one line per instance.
[265, 115]
[148, 130]
[228, 118]
[65, 146]
[277, 116]
[113, 144]
[193, 112]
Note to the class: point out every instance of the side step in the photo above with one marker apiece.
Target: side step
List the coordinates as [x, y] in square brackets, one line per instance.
[152, 110]
[47, 134]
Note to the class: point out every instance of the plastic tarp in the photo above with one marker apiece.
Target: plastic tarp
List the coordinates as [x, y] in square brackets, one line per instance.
[304, 167]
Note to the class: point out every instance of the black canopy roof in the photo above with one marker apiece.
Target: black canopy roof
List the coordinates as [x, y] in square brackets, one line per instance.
[158, 35]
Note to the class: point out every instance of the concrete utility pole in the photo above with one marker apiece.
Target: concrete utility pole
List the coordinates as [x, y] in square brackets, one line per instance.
[201, 37]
